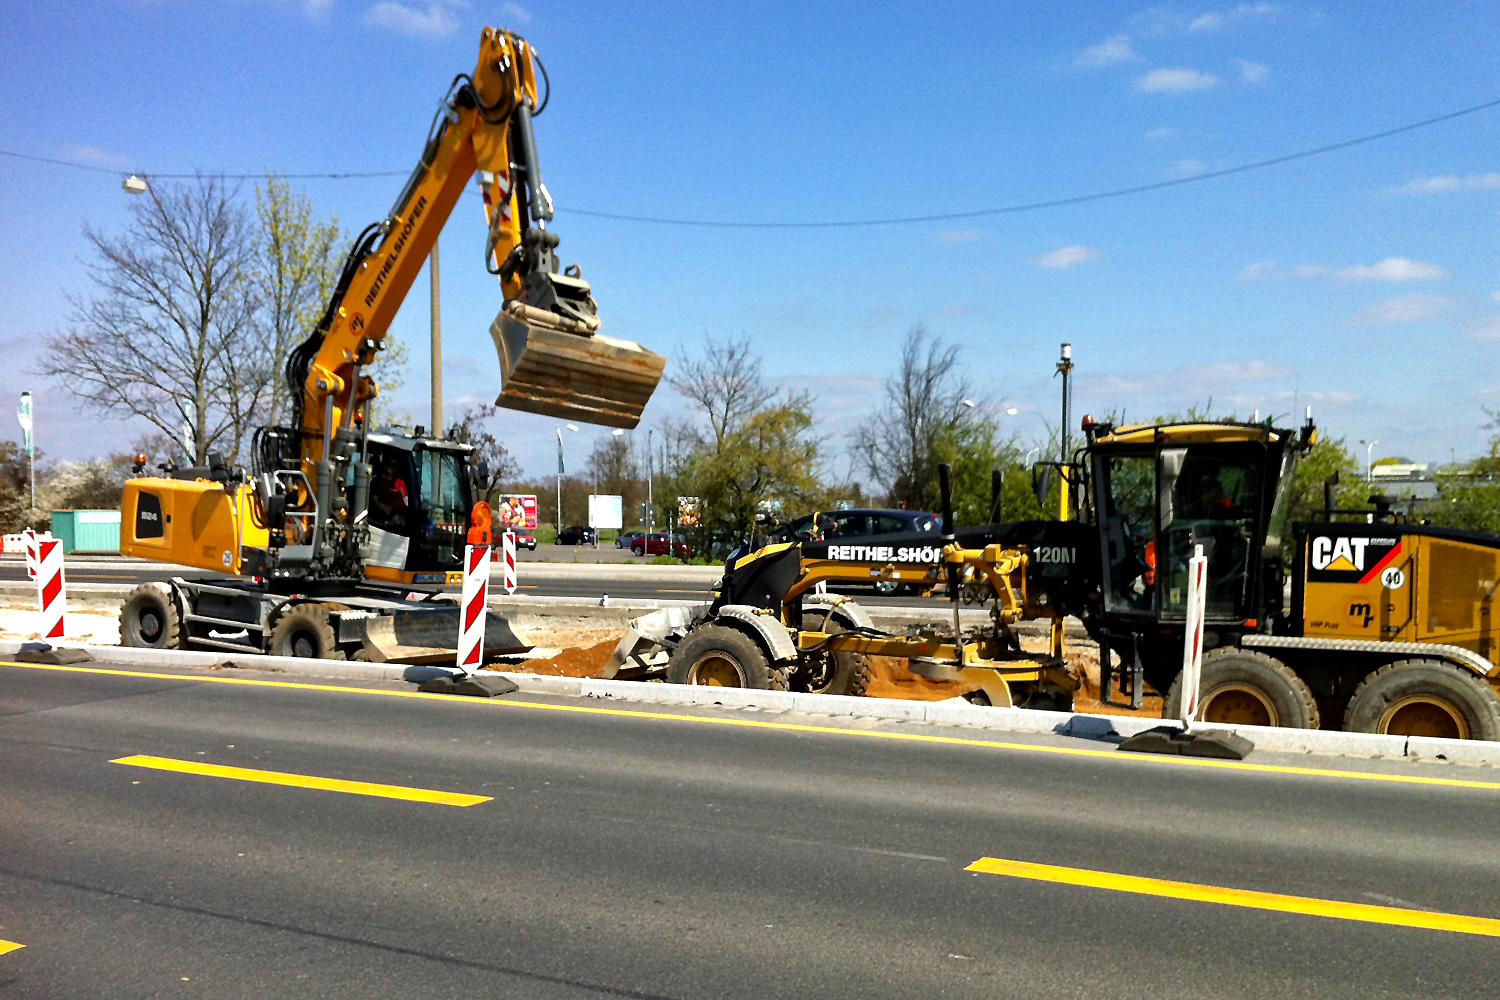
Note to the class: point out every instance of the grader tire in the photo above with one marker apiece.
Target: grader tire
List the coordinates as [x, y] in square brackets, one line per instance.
[1242, 687]
[851, 672]
[720, 656]
[1424, 698]
[305, 631]
[149, 618]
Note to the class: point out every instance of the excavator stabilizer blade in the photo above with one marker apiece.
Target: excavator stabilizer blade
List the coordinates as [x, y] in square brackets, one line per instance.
[561, 368]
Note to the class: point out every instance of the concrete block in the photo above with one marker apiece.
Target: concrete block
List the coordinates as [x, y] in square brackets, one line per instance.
[1460, 751]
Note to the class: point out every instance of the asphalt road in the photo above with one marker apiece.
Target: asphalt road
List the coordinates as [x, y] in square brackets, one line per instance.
[128, 573]
[693, 854]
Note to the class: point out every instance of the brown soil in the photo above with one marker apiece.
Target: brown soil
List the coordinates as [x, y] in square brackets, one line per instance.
[579, 661]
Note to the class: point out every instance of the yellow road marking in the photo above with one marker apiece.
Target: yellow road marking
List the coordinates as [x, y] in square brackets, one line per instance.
[8, 946]
[1110, 755]
[1306, 905]
[304, 781]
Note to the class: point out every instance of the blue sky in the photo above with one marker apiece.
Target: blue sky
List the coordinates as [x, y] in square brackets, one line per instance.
[1363, 282]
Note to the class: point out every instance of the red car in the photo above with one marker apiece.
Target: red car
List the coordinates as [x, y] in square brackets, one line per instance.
[660, 543]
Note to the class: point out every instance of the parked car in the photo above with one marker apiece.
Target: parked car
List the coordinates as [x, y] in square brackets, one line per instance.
[627, 539]
[577, 534]
[661, 543]
[869, 521]
[524, 539]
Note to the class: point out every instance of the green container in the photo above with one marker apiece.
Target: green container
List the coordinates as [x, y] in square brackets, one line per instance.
[87, 530]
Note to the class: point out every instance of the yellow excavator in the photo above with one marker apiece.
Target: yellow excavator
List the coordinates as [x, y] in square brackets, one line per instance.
[337, 522]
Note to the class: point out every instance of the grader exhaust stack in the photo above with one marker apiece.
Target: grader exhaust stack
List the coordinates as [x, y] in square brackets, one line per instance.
[559, 365]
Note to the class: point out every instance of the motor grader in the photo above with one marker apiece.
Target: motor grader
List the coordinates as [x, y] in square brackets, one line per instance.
[341, 537]
[1383, 625]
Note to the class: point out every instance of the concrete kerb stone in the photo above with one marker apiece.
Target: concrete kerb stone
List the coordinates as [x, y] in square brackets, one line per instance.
[952, 712]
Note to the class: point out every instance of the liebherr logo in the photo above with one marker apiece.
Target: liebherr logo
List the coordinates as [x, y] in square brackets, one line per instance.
[396, 248]
[1349, 559]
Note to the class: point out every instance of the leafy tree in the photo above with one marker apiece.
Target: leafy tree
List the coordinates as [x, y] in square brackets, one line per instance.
[1330, 456]
[472, 428]
[1472, 501]
[15, 491]
[169, 333]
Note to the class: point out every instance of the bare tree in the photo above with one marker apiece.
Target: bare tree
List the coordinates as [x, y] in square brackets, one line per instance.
[471, 428]
[726, 384]
[169, 334]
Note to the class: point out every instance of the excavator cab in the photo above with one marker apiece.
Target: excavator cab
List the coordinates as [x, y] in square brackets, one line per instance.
[420, 500]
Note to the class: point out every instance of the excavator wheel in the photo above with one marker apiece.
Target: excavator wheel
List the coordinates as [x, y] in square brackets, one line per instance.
[306, 632]
[149, 618]
[720, 656]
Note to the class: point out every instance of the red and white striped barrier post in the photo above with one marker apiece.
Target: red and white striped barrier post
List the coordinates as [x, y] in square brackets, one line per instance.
[1192, 645]
[821, 587]
[472, 612]
[51, 590]
[508, 552]
[30, 538]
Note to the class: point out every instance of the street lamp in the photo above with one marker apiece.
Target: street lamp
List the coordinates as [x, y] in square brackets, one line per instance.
[1369, 447]
[134, 184]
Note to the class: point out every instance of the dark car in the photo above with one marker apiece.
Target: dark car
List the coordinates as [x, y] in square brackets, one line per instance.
[577, 534]
[661, 543]
[868, 521]
[627, 539]
[524, 539]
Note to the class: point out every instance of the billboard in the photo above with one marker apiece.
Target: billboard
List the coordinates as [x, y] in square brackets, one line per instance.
[513, 510]
[687, 511]
[606, 511]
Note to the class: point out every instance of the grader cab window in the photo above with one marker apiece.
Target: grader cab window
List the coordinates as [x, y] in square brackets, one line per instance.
[1126, 508]
[1210, 500]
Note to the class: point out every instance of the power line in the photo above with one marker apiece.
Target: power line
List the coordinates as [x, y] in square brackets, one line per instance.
[1051, 203]
[854, 223]
[179, 177]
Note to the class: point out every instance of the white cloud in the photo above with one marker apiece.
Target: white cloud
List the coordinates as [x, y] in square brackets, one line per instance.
[1186, 168]
[1175, 81]
[1495, 296]
[94, 155]
[1207, 22]
[1189, 381]
[1486, 328]
[1251, 72]
[1161, 134]
[1217, 21]
[1110, 52]
[435, 20]
[1310, 271]
[515, 12]
[317, 8]
[1393, 269]
[1446, 184]
[959, 235]
[1403, 309]
[1259, 269]
[1066, 257]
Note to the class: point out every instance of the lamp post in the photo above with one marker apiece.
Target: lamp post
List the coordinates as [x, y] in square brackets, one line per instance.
[1369, 448]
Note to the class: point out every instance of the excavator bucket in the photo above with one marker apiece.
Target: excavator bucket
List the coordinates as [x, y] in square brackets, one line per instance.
[563, 367]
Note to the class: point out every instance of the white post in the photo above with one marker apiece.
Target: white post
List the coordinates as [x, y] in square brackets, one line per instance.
[508, 552]
[51, 589]
[472, 611]
[1192, 645]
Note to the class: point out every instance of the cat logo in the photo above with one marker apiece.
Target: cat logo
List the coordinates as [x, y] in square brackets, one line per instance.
[1349, 558]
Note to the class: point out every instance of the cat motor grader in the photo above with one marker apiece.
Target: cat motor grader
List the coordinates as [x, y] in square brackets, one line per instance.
[346, 535]
[1388, 626]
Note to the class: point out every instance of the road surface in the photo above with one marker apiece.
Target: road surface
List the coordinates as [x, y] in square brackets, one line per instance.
[535, 847]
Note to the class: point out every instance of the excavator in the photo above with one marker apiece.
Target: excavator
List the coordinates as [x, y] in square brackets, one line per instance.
[1378, 624]
[338, 527]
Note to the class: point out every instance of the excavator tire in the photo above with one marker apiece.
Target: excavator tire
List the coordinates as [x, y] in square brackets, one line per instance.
[306, 632]
[149, 618]
[851, 672]
[1424, 698]
[1247, 688]
[720, 656]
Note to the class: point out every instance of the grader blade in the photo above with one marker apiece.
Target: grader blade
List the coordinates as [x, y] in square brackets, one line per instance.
[563, 367]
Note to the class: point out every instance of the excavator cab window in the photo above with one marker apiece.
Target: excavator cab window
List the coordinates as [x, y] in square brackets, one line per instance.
[391, 492]
[442, 509]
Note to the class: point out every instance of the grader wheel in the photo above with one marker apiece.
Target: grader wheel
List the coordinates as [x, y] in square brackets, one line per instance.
[1240, 687]
[1424, 698]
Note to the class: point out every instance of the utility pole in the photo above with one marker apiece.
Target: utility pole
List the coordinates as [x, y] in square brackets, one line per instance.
[437, 345]
[650, 476]
[1065, 486]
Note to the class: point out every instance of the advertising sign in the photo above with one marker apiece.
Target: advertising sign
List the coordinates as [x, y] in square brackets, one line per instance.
[687, 511]
[606, 511]
[516, 510]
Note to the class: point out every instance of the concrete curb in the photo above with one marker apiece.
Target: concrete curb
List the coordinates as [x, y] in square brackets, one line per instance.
[953, 712]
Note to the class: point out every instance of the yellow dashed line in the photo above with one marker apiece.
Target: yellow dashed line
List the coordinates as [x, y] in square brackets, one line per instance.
[1110, 755]
[304, 781]
[9, 946]
[1306, 905]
